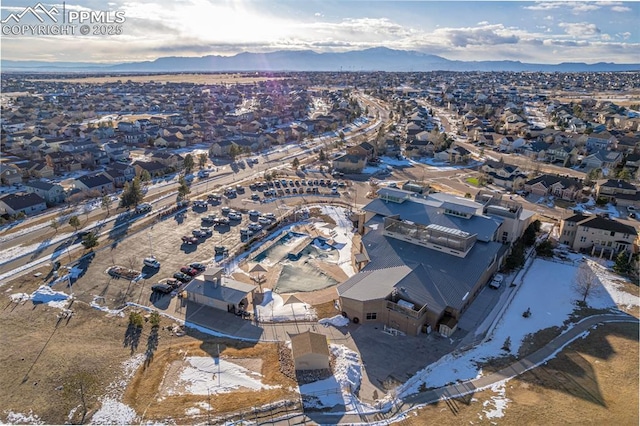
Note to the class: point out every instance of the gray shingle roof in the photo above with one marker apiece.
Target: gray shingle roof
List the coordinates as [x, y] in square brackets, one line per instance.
[421, 275]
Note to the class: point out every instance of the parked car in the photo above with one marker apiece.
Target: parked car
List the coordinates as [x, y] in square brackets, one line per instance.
[253, 213]
[199, 266]
[222, 221]
[496, 281]
[181, 276]
[151, 262]
[143, 208]
[162, 288]
[186, 239]
[255, 227]
[198, 233]
[189, 271]
[206, 231]
[264, 221]
[255, 197]
[631, 211]
[220, 250]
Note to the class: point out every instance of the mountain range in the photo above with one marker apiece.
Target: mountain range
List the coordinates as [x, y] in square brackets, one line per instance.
[374, 59]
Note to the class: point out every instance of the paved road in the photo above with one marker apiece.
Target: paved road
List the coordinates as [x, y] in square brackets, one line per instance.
[464, 388]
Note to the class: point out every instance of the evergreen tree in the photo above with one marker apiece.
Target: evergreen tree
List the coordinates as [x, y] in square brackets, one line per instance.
[188, 163]
[132, 194]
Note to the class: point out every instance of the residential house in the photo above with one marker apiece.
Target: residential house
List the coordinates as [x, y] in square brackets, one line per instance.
[600, 141]
[632, 164]
[562, 187]
[622, 193]
[62, 162]
[154, 168]
[169, 159]
[417, 148]
[597, 235]
[454, 155]
[96, 183]
[504, 175]
[601, 160]
[364, 149]
[536, 150]
[120, 173]
[221, 148]
[22, 202]
[170, 141]
[350, 163]
[116, 151]
[563, 154]
[10, 174]
[52, 193]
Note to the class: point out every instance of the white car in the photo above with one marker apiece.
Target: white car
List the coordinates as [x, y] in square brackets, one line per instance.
[496, 281]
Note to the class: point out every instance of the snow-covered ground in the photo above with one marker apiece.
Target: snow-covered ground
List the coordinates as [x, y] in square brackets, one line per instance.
[207, 376]
[342, 236]
[548, 291]
[45, 295]
[590, 208]
[338, 389]
[273, 309]
[112, 411]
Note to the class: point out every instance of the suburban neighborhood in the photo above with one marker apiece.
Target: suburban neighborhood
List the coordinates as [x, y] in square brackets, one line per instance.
[297, 208]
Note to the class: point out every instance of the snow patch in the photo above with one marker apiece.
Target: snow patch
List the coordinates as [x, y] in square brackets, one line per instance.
[499, 402]
[114, 412]
[23, 419]
[337, 321]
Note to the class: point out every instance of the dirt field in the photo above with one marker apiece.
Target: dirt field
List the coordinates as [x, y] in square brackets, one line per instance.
[593, 381]
[170, 78]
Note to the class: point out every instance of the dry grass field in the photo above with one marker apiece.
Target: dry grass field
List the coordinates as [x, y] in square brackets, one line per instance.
[196, 78]
[592, 381]
[145, 395]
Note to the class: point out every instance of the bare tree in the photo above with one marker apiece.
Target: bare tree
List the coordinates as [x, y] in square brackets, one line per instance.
[82, 388]
[585, 281]
[54, 224]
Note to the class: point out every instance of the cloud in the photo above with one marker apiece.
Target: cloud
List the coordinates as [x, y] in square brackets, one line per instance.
[621, 9]
[318, 15]
[574, 6]
[580, 29]
[473, 36]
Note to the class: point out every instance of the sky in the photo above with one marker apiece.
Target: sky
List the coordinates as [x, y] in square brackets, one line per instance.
[535, 32]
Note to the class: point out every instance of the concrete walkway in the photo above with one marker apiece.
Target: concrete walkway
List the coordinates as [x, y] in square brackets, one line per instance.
[464, 388]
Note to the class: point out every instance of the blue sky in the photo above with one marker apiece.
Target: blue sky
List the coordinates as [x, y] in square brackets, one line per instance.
[541, 32]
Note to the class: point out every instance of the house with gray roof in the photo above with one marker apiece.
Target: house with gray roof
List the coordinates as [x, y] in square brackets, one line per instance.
[51, 192]
[598, 235]
[99, 182]
[27, 203]
[424, 258]
[217, 291]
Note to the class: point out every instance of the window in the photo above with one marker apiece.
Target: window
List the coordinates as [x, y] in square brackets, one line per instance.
[371, 315]
[583, 239]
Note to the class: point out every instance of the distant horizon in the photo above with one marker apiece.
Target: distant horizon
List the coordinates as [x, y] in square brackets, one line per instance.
[107, 64]
[118, 32]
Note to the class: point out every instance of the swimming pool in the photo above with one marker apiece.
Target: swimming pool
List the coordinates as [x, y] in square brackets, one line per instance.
[300, 257]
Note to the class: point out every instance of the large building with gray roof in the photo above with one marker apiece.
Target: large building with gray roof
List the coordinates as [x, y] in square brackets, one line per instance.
[423, 259]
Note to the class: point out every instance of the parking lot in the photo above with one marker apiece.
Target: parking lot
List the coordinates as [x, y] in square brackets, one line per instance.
[221, 225]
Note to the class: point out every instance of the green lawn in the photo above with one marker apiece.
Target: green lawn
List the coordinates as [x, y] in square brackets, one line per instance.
[473, 181]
